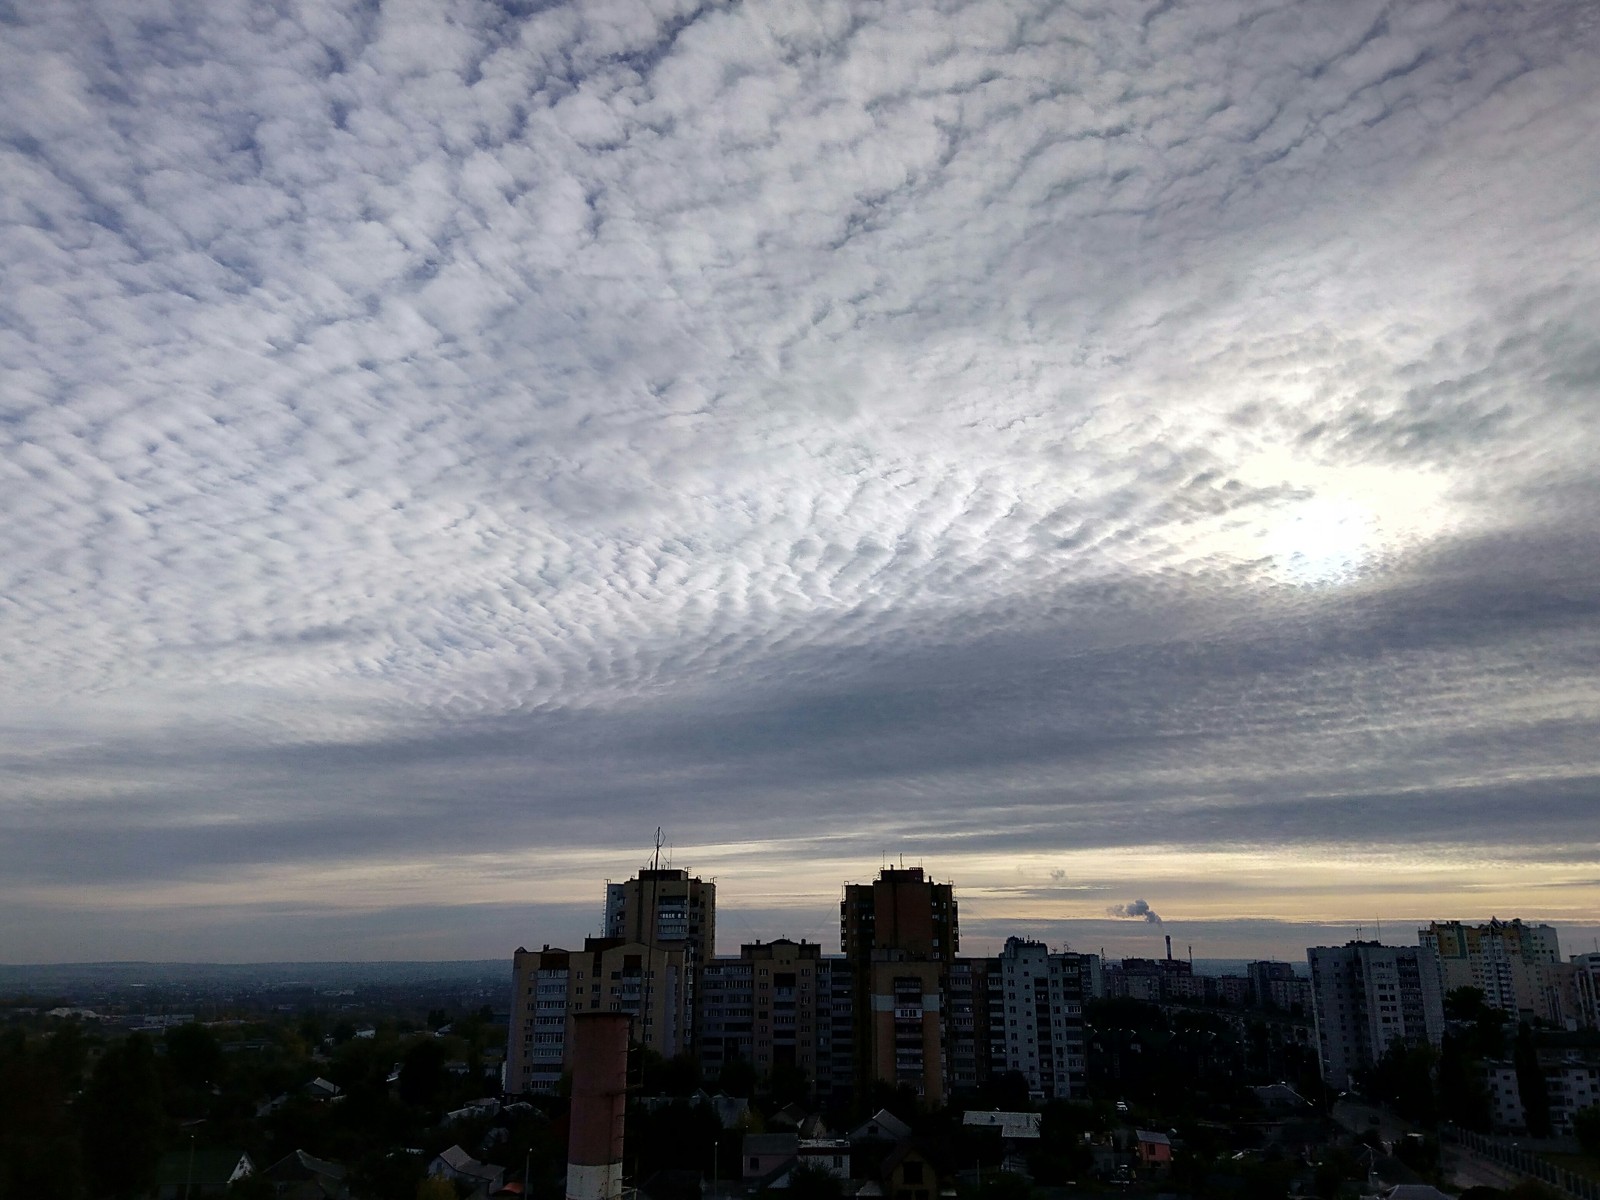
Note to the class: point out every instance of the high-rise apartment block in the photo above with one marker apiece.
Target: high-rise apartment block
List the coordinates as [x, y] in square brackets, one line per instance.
[1585, 1005]
[652, 984]
[1035, 1017]
[1365, 996]
[899, 935]
[663, 905]
[1274, 983]
[1510, 962]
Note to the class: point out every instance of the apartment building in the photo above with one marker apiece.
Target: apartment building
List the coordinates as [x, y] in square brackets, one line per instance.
[969, 1052]
[725, 1014]
[779, 1004]
[1035, 1001]
[1364, 996]
[900, 935]
[652, 984]
[1509, 961]
[835, 1056]
[665, 905]
[1585, 996]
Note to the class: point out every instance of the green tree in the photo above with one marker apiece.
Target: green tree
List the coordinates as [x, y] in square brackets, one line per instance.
[1530, 1083]
[193, 1055]
[1586, 1128]
[812, 1181]
[39, 1154]
[123, 1122]
[1403, 1079]
[422, 1074]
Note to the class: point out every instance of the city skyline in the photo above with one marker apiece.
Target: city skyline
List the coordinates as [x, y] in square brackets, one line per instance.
[1137, 460]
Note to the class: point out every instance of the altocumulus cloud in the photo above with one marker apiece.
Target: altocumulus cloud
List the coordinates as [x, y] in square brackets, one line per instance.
[440, 442]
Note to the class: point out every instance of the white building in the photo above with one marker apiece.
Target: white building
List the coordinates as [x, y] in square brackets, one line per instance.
[1365, 996]
[1510, 962]
[1036, 1017]
[1586, 988]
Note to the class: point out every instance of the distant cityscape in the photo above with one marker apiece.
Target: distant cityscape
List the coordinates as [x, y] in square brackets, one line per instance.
[644, 1065]
[900, 1007]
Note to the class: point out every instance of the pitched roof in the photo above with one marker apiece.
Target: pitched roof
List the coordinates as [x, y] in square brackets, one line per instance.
[882, 1124]
[770, 1143]
[297, 1164]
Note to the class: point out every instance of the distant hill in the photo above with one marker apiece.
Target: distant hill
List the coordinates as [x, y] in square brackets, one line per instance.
[54, 977]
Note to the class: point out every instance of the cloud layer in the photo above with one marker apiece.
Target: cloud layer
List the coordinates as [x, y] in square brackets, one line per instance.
[441, 442]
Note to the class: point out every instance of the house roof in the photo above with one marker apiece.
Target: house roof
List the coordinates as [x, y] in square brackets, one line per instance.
[299, 1165]
[764, 1144]
[462, 1163]
[1150, 1135]
[882, 1124]
[790, 1114]
[1010, 1124]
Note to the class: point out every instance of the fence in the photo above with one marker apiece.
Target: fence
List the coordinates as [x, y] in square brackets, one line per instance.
[1524, 1161]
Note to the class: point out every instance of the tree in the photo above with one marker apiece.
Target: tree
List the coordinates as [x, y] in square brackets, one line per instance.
[193, 1055]
[1530, 1083]
[1403, 1078]
[1586, 1128]
[124, 1127]
[424, 1074]
[812, 1181]
[435, 1187]
[39, 1155]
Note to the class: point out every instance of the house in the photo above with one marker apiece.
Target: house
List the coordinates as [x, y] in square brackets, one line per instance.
[731, 1110]
[909, 1174]
[787, 1117]
[764, 1153]
[457, 1165]
[828, 1154]
[488, 1106]
[193, 1173]
[300, 1176]
[1155, 1149]
[882, 1124]
[323, 1089]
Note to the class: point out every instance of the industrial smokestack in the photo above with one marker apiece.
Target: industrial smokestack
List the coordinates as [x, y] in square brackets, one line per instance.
[599, 1103]
[1169, 947]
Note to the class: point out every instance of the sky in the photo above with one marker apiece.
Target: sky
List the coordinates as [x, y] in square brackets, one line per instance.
[1138, 460]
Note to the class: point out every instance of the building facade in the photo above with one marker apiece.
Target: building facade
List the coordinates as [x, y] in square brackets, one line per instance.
[900, 934]
[1365, 996]
[651, 984]
[1509, 961]
[1035, 1017]
[665, 905]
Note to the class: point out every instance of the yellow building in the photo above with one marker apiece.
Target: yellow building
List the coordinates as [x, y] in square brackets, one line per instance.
[900, 935]
[652, 984]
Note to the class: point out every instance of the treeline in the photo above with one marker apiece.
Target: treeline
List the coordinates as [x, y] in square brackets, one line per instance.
[85, 1115]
